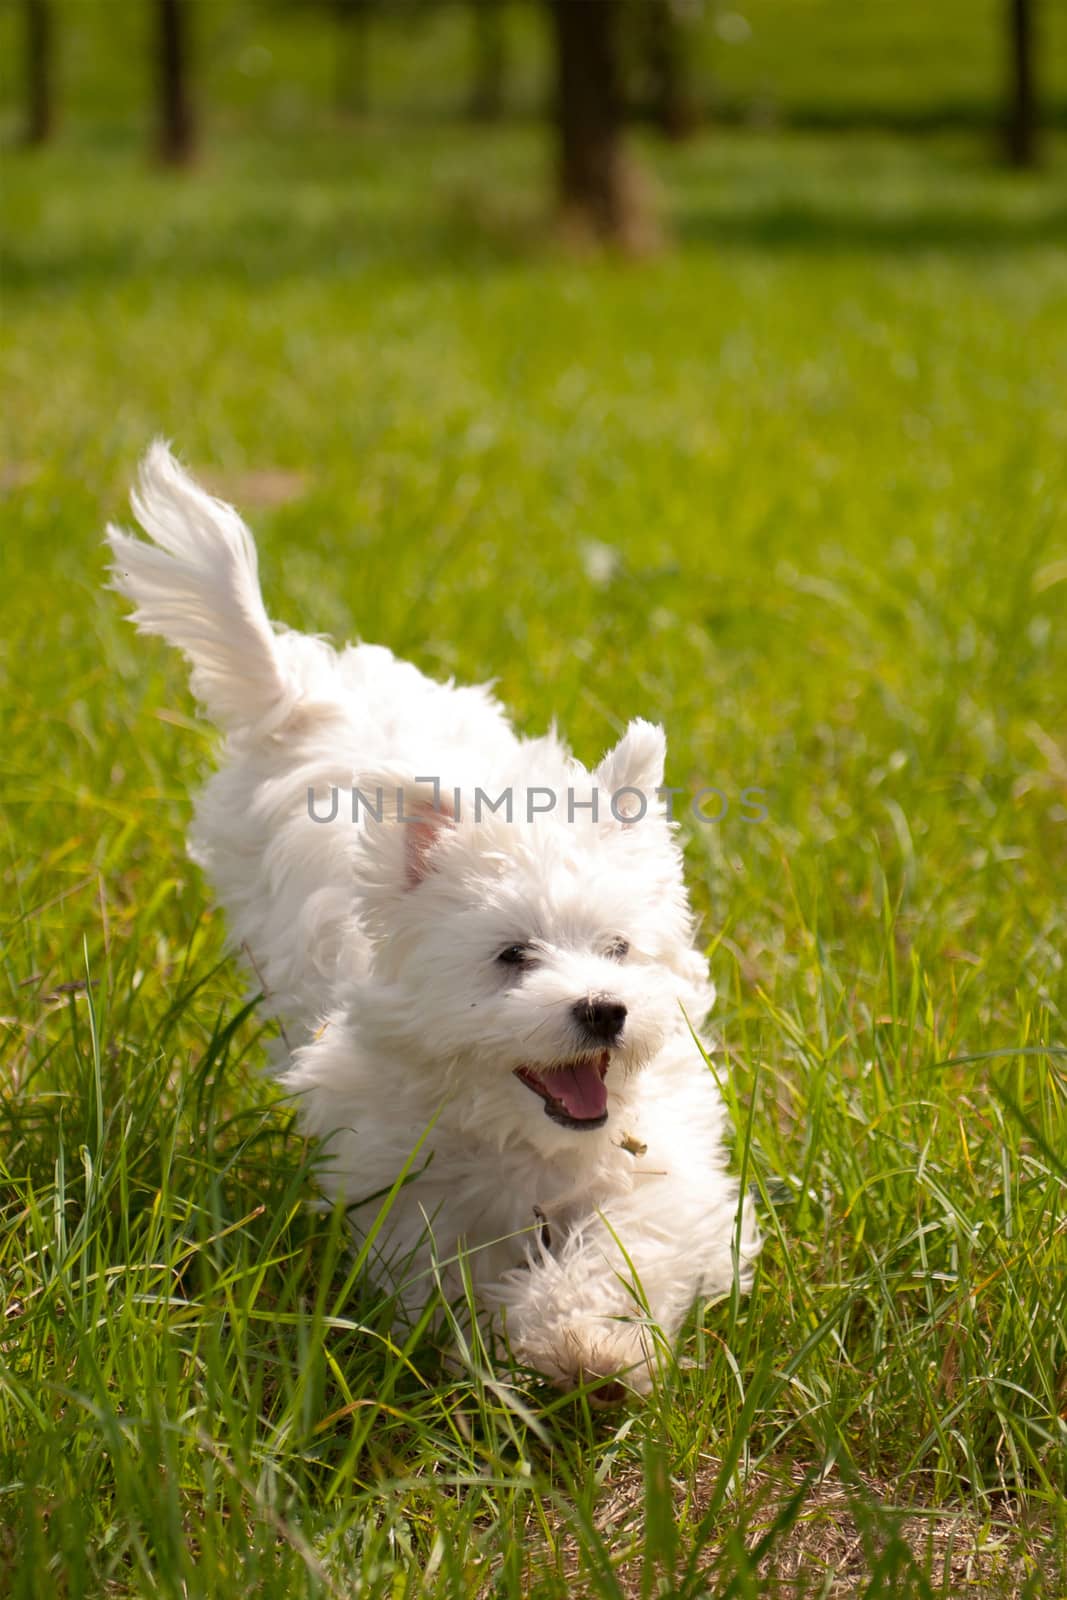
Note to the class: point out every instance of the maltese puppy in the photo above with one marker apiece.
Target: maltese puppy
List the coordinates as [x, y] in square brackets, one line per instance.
[481, 957]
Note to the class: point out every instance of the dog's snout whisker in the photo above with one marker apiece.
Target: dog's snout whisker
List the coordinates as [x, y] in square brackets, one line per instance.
[534, 1031]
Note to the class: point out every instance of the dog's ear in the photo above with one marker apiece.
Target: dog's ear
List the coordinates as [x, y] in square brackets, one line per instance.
[422, 826]
[636, 763]
[400, 822]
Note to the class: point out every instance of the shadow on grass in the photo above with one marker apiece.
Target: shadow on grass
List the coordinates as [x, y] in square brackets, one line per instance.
[260, 248]
[796, 226]
[465, 237]
[979, 114]
[256, 214]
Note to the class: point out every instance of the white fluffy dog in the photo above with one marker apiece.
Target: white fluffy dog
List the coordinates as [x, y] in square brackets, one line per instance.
[513, 987]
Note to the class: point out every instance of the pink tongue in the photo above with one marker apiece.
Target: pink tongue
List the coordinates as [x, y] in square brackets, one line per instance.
[581, 1089]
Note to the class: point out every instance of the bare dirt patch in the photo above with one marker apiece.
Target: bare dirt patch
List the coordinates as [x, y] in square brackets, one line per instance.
[840, 1539]
[258, 488]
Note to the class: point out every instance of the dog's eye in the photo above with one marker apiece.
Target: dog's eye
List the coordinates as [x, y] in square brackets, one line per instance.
[515, 955]
[618, 950]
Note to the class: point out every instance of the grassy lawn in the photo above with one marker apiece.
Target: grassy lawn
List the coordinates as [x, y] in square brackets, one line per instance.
[795, 489]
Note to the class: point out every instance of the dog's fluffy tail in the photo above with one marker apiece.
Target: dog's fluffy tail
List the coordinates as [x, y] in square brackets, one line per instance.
[197, 585]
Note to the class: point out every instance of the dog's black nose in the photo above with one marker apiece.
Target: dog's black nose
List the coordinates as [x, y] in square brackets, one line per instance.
[600, 1019]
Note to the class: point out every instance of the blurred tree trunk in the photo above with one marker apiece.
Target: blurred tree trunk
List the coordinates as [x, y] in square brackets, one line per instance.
[490, 60]
[177, 126]
[351, 82]
[595, 191]
[40, 104]
[670, 93]
[1022, 88]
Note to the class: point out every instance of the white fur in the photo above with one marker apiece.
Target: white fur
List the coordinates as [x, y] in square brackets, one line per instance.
[377, 946]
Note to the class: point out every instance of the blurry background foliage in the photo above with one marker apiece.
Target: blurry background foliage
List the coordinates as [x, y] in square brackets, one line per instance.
[98, 68]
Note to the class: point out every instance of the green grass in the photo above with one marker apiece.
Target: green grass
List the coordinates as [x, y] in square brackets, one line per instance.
[825, 439]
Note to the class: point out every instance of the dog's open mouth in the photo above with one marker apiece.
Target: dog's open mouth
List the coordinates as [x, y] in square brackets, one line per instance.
[574, 1092]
